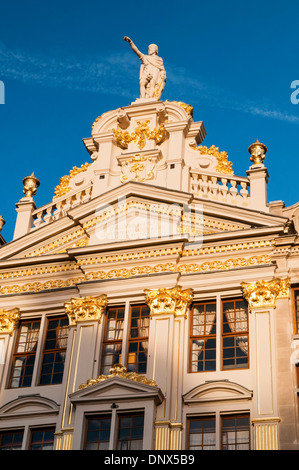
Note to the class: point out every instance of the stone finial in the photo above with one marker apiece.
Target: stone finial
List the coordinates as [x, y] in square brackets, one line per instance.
[258, 152]
[2, 222]
[31, 183]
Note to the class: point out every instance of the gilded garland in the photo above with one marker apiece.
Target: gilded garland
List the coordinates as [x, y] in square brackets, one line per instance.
[64, 187]
[223, 165]
[141, 134]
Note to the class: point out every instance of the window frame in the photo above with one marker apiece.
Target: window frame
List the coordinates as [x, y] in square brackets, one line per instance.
[107, 342]
[295, 316]
[138, 339]
[234, 416]
[202, 418]
[204, 337]
[16, 354]
[41, 429]
[12, 431]
[233, 334]
[44, 351]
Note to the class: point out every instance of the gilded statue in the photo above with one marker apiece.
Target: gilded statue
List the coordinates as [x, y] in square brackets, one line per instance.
[152, 72]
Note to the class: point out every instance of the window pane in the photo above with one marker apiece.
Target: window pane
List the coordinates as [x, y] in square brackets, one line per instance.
[42, 439]
[138, 341]
[54, 351]
[203, 337]
[235, 334]
[11, 440]
[130, 432]
[113, 334]
[24, 355]
[97, 433]
[236, 432]
[202, 434]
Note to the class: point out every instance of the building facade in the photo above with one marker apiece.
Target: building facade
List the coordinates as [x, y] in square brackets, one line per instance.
[153, 303]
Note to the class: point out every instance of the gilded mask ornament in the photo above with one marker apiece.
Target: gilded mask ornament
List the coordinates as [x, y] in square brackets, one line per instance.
[31, 183]
[86, 309]
[169, 301]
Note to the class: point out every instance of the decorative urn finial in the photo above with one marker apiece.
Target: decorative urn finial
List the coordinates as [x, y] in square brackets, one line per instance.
[258, 152]
[31, 183]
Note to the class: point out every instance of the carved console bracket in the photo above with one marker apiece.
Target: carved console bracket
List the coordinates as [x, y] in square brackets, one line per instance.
[169, 301]
[261, 294]
[9, 320]
[85, 309]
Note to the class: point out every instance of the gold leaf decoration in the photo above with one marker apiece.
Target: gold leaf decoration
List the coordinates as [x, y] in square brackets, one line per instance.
[223, 165]
[63, 188]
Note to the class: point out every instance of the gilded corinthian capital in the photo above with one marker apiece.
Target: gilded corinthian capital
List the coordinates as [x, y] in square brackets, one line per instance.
[169, 301]
[264, 293]
[86, 309]
[9, 320]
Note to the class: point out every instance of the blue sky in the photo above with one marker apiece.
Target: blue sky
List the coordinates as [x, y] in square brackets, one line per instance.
[65, 62]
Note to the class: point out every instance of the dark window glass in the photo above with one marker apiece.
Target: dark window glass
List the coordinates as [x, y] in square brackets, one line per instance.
[42, 439]
[138, 339]
[54, 351]
[202, 352]
[296, 306]
[24, 354]
[130, 432]
[97, 433]
[201, 433]
[235, 432]
[113, 335]
[11, 440]
[235, 334]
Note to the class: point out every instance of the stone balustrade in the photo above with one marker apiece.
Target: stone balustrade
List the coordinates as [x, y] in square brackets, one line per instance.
[59, 207]
[229, 189]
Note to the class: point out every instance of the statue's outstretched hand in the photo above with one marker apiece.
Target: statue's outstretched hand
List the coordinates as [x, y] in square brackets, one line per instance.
[127, 39]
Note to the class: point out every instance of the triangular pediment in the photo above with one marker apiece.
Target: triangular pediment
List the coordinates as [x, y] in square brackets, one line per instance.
[151, 212]
[116, 389]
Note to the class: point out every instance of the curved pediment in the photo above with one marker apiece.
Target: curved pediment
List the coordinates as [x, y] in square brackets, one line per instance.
[28, 406]
[217, 391]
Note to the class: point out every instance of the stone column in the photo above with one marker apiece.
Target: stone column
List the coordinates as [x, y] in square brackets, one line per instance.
[261, 297]
[85, 316]
[169, 309]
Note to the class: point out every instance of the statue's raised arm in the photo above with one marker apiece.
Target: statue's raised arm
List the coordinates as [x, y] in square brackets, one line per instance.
[134, 48]
[152, 71]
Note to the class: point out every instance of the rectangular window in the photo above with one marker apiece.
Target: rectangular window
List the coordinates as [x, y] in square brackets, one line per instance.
[113, 336]
[11, 440]
[42, 439]
[138, 339]
[201, 433]
[235, 434]
[202, 353]
[24, 354]
[234, 334]
[130, 432]
[54, 351]
[97, 433]
[296, 310]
